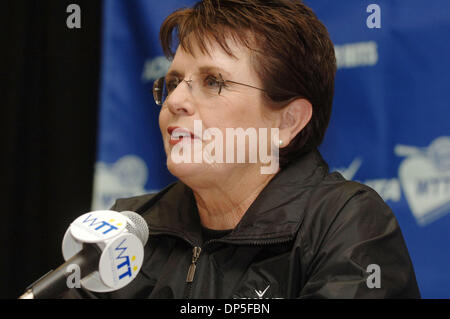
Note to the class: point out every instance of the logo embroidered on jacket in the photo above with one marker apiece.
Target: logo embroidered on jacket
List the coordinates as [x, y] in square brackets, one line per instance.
[261, 293]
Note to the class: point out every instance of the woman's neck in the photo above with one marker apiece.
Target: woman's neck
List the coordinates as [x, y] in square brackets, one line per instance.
[223, 205]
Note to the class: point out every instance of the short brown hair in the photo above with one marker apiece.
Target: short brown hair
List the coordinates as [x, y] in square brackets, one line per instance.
[294, 56]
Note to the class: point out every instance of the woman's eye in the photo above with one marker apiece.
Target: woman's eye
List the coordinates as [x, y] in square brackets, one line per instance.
[211, 81]
[172, 85]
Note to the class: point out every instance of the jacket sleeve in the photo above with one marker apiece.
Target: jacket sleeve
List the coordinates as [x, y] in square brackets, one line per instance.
[358, 252]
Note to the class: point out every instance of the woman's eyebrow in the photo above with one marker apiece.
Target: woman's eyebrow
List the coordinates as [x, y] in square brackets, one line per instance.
[173, 73]
[202, 69]
[213, 69]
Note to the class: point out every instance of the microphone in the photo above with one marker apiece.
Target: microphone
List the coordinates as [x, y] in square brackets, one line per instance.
[105, 248]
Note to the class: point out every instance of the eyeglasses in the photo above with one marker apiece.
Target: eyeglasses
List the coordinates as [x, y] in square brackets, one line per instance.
[207, 85]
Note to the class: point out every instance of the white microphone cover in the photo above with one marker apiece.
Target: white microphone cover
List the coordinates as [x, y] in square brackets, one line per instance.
[121, 236]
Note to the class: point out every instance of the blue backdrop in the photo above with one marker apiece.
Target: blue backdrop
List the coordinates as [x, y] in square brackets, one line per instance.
[389, 127]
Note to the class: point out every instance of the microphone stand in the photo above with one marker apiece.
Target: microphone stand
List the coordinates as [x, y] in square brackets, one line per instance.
[55, 281]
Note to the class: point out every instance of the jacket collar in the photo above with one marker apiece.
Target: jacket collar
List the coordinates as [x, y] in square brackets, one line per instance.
[274, 216]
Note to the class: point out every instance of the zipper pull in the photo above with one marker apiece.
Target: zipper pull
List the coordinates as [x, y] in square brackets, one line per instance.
[191, 272]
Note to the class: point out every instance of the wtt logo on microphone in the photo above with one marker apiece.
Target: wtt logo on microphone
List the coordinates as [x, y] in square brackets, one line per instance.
[102, 226]
[124, 267]
[98, 226]
[123, 260]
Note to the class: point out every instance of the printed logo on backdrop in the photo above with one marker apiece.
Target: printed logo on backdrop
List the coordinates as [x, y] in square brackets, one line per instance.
[358, 54]
[124, 178]
[424, 177]
[155, 68]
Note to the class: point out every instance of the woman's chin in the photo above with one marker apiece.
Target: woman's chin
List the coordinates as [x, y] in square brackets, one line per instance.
[185, 170]
[197, 173]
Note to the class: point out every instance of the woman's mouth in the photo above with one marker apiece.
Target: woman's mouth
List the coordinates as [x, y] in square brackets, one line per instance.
[178, 134]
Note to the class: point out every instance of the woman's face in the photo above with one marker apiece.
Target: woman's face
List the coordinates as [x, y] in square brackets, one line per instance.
[195, 106]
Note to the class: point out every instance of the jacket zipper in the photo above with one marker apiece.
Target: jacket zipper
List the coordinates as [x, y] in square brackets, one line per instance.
[196, 251]
[191, 271]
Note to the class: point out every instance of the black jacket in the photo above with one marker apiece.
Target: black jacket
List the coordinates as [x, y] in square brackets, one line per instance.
[309, 234]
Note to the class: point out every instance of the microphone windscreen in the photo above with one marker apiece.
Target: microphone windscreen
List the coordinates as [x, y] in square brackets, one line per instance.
[138, 225]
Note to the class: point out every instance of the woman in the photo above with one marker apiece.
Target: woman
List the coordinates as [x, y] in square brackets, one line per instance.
[228, 230]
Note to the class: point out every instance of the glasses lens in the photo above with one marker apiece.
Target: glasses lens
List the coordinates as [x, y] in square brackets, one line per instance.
[158, 91]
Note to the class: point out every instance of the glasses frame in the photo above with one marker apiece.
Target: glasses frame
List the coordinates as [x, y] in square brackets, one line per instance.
[158, 87]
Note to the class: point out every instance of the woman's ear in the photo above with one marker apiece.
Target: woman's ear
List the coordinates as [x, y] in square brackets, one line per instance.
[294, 117]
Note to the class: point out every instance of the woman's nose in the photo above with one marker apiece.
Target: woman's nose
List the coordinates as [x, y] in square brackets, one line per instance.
[180, 100]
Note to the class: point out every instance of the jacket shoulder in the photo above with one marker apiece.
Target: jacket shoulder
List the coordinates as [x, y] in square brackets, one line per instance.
[336, 201]
[348, 228]
[132, 203]
[140, 203]
[340, 191]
